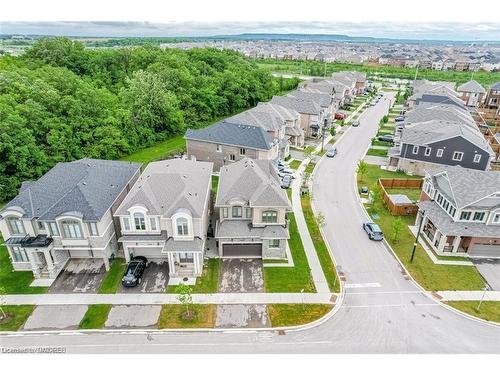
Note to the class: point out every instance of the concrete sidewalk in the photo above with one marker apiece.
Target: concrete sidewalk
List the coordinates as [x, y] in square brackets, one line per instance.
[164, 298]
[469, 295]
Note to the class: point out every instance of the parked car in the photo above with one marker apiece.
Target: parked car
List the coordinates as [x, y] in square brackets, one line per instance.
[399, 118]
[386, 138]
[339, 116]
[134, 271]
[331, 153]
[355, 123]
[364, 190]
[374, 232]
[286, 182]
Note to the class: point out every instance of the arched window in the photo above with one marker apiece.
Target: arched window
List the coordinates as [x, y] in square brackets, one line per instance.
[182, 226]
[71, 229]
[270, 217]
[15, 225]
[139, 221]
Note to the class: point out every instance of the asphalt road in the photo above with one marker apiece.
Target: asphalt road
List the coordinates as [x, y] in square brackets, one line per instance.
[382, 311]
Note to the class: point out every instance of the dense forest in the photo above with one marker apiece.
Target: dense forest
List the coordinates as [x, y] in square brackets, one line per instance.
[61, 101]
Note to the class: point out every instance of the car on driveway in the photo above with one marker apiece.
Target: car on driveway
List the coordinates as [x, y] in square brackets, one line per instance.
[399, 118]
[386, 138]
[134, 271]
[374, 232]
[332, 152]
[286, 182]
[355, 123]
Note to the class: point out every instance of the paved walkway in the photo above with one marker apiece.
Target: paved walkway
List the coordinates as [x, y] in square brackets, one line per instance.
[469, 295]
[164, 298]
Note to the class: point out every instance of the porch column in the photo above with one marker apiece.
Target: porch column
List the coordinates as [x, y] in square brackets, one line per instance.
[50, 263]
[171, 263]
[106, 263]
[196, 259]
[456, 243]
[442, 242]
[127, 255]
[34, 264]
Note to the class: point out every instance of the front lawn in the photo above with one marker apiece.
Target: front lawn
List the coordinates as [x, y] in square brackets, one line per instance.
[16, 316]
[295, 164]
[95, 317]
[429, 275]
[15, 282]
[159, 151]
[489, 310]
[113, 277]
[291, 279]
[282, 315]
[208, 282]
[376, 152]
[320, 245]
[171, 317]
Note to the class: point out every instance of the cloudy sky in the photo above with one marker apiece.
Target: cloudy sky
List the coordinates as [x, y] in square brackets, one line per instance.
[425, 19]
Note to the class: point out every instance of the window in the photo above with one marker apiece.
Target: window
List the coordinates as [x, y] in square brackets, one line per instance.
[274, 243]
[439, 153]
[219, 148]
[415, 149]
[478, 216]
[477, 158]
[15, 225]
[269, 217]
[439, 198]
[186, 257]
[224, 212]
[496, 218]
[242, 151]
[71, 229]
[236, 211]
[126, 223]
[139, 221]
[428, 151]
[232, 157]
[457, 156]
[182, 226]
[465, 215]
[93, 229]
[53, 229]
[19, 255]
[248, 213]
[452, 210]
[445, 205]
[152, 223]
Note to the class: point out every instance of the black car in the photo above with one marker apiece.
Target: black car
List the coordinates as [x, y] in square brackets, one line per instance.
[374, 232]
[135, 269]
[386, 138]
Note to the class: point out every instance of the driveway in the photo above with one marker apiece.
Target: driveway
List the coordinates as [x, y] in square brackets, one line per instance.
[242, 316]
[241, 276]
[490, 270]
[154, 279]
[133, 316]
[79, 276]
[55, 317]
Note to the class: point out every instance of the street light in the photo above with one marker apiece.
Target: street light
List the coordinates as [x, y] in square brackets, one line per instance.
[485, 289]
[325, 125]
[418, 235]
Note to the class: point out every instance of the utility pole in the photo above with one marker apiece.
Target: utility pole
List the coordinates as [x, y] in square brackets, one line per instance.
[416, 72]
[325, 124]
[416, 239]
[325, 70]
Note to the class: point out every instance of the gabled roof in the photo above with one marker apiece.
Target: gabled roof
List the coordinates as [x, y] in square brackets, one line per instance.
[228, 133]
[167, 186]
[306, 106]
[86, 187]
[253, 181]
[322, 99]
[472, 86]
[495, 86]
[287, 114]
[255, 117]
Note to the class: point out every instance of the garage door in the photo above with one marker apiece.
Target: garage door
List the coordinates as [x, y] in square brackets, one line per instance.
[81, 254]
[242, 250]
[151, 253]
[480, 250]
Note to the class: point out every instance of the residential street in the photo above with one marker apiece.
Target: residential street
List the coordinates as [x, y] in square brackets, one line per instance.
[383, 312]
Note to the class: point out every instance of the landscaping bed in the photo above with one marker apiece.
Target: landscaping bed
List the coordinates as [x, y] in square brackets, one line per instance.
[171, 316]
[282, 315]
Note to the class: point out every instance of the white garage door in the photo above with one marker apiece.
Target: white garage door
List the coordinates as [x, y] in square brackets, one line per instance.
[151, 253]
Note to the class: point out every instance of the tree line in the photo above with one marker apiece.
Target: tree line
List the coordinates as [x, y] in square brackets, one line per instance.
[61, 101]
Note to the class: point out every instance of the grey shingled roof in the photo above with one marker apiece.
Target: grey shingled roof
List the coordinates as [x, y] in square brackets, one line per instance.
[233, 134]
[495, 86]
[467, 186]
[472, 86]
[323, 100]
[86, 187]
[168, 186]
[255, 117]
[300, 105]
[253, 181]
[441, 112]
[176, 246]
[287, 114]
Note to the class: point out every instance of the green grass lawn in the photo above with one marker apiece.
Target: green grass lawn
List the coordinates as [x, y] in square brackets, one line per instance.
[489, 310]
[413, 194]
[113, 277]
[429, 275]
[376, 152]
[294, 164]
[16, 316]
[309, 167]
[376, 142]
[321, 249]
[15, 282]
[215, 184]
[95, 317]
[282, 315]
[208, 282]
[293, 279]
[171, 317]
[159, 151]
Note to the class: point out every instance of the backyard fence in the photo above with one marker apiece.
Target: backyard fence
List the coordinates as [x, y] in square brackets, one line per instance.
[396, 204]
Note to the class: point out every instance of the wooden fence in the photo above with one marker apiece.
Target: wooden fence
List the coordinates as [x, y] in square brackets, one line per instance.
[399, 209]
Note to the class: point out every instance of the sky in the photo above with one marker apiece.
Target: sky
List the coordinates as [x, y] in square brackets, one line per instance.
[425, 19]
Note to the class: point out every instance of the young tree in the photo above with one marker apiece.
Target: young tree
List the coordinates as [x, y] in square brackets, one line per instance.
[185, 298]
[362, 169]
[397, 226]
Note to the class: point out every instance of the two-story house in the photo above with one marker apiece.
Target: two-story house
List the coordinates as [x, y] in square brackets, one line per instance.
[292, 122]
[67, 213]
[460, 209]
[472, 93]
[224, 143]
[165, 215]
[311, 114]
[252, 210]
[492, 100]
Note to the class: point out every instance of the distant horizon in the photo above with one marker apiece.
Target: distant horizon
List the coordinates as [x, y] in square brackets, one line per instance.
[426, 32]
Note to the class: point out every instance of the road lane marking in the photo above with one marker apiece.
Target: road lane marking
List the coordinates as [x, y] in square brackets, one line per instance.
[362, 285]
